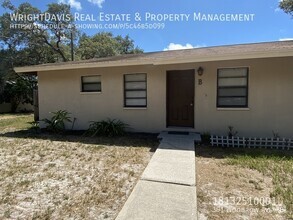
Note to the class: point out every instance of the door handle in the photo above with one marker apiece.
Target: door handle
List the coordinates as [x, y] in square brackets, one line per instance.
[191, 104]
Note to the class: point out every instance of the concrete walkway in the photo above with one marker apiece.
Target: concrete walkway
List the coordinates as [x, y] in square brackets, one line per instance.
[167, 188]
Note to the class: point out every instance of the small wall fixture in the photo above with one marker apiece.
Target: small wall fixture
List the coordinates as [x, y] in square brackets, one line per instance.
[200, 71]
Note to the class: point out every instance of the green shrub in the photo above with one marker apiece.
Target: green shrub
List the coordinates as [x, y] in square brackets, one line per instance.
[57, 123]
[109, 127]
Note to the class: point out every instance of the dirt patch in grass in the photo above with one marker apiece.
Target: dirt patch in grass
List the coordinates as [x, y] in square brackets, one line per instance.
[44, 176]
[230, 187]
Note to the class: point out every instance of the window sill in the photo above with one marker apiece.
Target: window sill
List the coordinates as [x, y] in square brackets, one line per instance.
[233, 109]
[90, 93]
[134, 108]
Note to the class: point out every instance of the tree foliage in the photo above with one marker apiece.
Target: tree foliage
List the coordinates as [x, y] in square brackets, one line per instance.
[125, 45]
[38, 45]
[47, 45]
[53, 38]
[17, 91]
[104, 44]
[287, 6]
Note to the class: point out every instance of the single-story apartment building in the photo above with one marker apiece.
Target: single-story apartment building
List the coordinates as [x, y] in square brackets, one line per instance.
[247, 86]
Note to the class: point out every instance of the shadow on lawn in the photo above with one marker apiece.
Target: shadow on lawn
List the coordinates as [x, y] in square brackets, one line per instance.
[129, 140]
[224, 152]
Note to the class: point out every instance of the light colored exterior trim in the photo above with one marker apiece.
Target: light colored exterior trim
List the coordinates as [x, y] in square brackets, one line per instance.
[90, 93]
[220, 57]
[137, 108]
[78, 66]
[233, 109]
[156, 62]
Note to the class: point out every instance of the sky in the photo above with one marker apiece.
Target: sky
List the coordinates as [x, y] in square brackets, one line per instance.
[269, 23]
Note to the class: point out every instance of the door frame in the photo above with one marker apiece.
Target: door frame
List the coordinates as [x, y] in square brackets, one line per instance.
[167, 98]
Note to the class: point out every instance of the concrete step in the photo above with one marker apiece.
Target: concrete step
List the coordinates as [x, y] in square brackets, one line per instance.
[180, 134]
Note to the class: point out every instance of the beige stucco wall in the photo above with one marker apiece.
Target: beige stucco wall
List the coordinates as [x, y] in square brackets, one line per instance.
[270, 97]
[61, 90]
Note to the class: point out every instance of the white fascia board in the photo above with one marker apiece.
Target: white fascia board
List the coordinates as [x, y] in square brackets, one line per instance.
[191, 59]
[225, 57]
[28, 69]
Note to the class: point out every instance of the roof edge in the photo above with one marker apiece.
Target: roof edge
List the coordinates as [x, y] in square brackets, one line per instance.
[30, 69]
[256, 55]
[163, 60]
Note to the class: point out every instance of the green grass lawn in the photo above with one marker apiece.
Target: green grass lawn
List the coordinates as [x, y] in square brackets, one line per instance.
[275, 164]
[16, 121]
[279, 167]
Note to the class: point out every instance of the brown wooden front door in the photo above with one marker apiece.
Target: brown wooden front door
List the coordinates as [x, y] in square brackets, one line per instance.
[180, 98]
